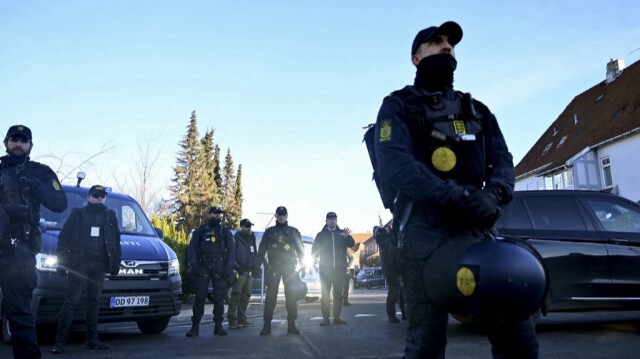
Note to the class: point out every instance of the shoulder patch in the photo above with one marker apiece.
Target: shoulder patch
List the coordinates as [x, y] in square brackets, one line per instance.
[385, 131]
[56, 185]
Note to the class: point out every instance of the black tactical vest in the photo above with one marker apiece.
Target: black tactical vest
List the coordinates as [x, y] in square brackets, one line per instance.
[212, 244]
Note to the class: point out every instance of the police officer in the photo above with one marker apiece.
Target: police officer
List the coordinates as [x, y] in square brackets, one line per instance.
[443, 156]
[331, 245]
[386, 243]
[88, 246]
[211, 254]
[349, 278]
[25, 185]
[246, 251]
[283, 246]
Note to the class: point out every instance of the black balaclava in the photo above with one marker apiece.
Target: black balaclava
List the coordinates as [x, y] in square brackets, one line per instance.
[96, 207]
[435, 72]
[213, 222]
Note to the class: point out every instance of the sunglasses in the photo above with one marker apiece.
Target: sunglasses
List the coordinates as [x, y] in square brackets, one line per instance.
[19, 139]
[98, 195]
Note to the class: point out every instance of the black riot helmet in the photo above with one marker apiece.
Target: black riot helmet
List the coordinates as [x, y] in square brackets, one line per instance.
[297, 287]
[500, 279]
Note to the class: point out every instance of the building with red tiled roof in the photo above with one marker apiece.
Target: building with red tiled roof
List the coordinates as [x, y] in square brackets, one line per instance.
[593, 143]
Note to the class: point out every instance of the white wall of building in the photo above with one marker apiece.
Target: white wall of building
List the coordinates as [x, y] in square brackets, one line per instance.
[625, 171]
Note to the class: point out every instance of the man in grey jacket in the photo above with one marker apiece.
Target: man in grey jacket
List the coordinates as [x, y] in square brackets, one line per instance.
[330, 246]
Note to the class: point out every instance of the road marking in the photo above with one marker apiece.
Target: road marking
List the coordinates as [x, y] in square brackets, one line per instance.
[365, 315]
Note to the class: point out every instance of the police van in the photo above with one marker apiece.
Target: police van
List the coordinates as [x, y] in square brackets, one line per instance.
[147, 290]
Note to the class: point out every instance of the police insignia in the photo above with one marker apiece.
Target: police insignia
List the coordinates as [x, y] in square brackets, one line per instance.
[385, 131]
[56, 185]
[443, 159]
[287, 247]
[466, 282]
[458, 127]
[281, 239]
[439, 135]
[213, 239]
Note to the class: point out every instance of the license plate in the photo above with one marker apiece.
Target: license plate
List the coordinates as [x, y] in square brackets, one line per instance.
[138, 301]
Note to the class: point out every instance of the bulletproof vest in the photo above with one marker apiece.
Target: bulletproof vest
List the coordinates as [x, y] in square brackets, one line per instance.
[13, 194]
[212, 245]
[447, 134]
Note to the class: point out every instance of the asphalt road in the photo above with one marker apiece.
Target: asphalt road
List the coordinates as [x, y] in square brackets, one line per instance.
[367, 335]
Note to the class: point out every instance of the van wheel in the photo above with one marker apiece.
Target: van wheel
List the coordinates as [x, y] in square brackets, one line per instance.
[464, 319]
[6, 332]
[153, 326]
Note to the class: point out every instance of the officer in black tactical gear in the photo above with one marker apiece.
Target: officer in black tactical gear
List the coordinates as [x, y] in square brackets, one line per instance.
[246, 251]
[444, 158]
[283, 246]
[386, 243]
[25, 185]
[211, 253]
[88, 247]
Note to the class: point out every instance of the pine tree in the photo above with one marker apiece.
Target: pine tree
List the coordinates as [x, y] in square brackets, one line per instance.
[236, 214]
[228, 184]
[188, 174]
[210, 195]
[216, 172]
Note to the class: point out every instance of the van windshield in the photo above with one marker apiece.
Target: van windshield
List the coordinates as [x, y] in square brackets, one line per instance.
[131, 218]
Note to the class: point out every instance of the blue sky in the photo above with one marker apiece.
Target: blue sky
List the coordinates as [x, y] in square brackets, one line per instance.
[287, 85]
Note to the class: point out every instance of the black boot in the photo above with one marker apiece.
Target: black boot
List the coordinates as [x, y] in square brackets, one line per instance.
[266, 329]
[292, 328]
[219, 330]
[195, 330]
[58, 348]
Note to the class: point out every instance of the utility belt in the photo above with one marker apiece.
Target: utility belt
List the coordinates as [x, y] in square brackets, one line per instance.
[211, 260]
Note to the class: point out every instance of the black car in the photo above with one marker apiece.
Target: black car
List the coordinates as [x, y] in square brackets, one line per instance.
[370, 277]
[590, 245]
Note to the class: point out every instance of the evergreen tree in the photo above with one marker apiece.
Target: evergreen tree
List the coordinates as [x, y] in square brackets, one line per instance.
[216, 172]
[188, 175]
[210, 195]
[228, 183]
[234, 211]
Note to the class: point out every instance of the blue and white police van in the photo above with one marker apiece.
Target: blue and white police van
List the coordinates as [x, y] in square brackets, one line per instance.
[147, 290]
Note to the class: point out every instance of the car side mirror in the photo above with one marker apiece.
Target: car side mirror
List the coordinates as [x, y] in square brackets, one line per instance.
[159, 232]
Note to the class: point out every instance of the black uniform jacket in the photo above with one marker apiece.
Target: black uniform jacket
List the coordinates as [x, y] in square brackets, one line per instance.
[194, 251]
[283, 244]
[71, 241]
[246, 251]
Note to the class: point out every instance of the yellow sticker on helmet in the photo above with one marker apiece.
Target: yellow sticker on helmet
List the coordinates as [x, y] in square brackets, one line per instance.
[466, 282]
[443, 159]
[56, 185]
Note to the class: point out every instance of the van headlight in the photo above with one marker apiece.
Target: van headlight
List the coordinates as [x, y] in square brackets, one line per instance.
[174, 267]
[46, 262]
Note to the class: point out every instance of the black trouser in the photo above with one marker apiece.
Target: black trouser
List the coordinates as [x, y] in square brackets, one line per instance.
[84, 282]
[347, 285]
[332, 278]
[426, 335]
[272, 279]
[206, 273]
[394, 295]
[18, 279]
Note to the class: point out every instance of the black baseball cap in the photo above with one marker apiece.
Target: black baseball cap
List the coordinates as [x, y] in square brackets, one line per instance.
[331, 214]
[246, 223]
[20, 130]
[449, 28]
[97, 189]
[281, 210]
[215, 209]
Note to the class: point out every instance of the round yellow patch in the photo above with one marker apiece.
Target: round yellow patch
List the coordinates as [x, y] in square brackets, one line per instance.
[466, 281]
[443, 159]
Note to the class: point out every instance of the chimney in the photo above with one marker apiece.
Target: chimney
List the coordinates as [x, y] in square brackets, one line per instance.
[614, 69]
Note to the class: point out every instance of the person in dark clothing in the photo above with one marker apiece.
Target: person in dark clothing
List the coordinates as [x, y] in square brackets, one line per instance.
[24, 186]
[330, 246]
[211, 253]
[88, 247]
[349, 278]
[386, 243]
[282, 244]
[443, 156]
[246, 251]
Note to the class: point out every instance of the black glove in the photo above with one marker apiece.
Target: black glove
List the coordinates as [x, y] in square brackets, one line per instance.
[480, 205]
[61, 271]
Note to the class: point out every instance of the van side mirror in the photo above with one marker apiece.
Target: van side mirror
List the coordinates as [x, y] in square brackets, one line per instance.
[159, 232]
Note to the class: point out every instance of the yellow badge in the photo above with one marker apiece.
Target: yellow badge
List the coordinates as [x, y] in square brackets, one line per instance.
[213, 239]
[287, 247]
[458, 127]
[466, 281]
[385, 131]
[443, 159]
[281, 239]
[56, 185]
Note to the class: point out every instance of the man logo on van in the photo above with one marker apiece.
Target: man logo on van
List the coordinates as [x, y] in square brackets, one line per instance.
[131, 271]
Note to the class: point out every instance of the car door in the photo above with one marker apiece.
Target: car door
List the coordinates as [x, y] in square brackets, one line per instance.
[574, 253]
[619, 222]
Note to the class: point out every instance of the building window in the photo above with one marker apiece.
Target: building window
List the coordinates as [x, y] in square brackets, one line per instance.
[557, 181]
[568, 177]
[546, 149]
[606, 172]
[562, 140]
[540, 184]
[548, 182]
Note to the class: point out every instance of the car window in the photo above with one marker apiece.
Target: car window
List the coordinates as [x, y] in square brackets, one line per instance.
[519, 218]
[616, 216]
[554, 213]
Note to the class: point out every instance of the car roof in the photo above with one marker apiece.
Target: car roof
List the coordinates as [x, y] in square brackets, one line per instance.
[85, 191]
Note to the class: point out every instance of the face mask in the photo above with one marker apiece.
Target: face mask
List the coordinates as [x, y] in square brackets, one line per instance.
[214, 222]
[436, 71]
